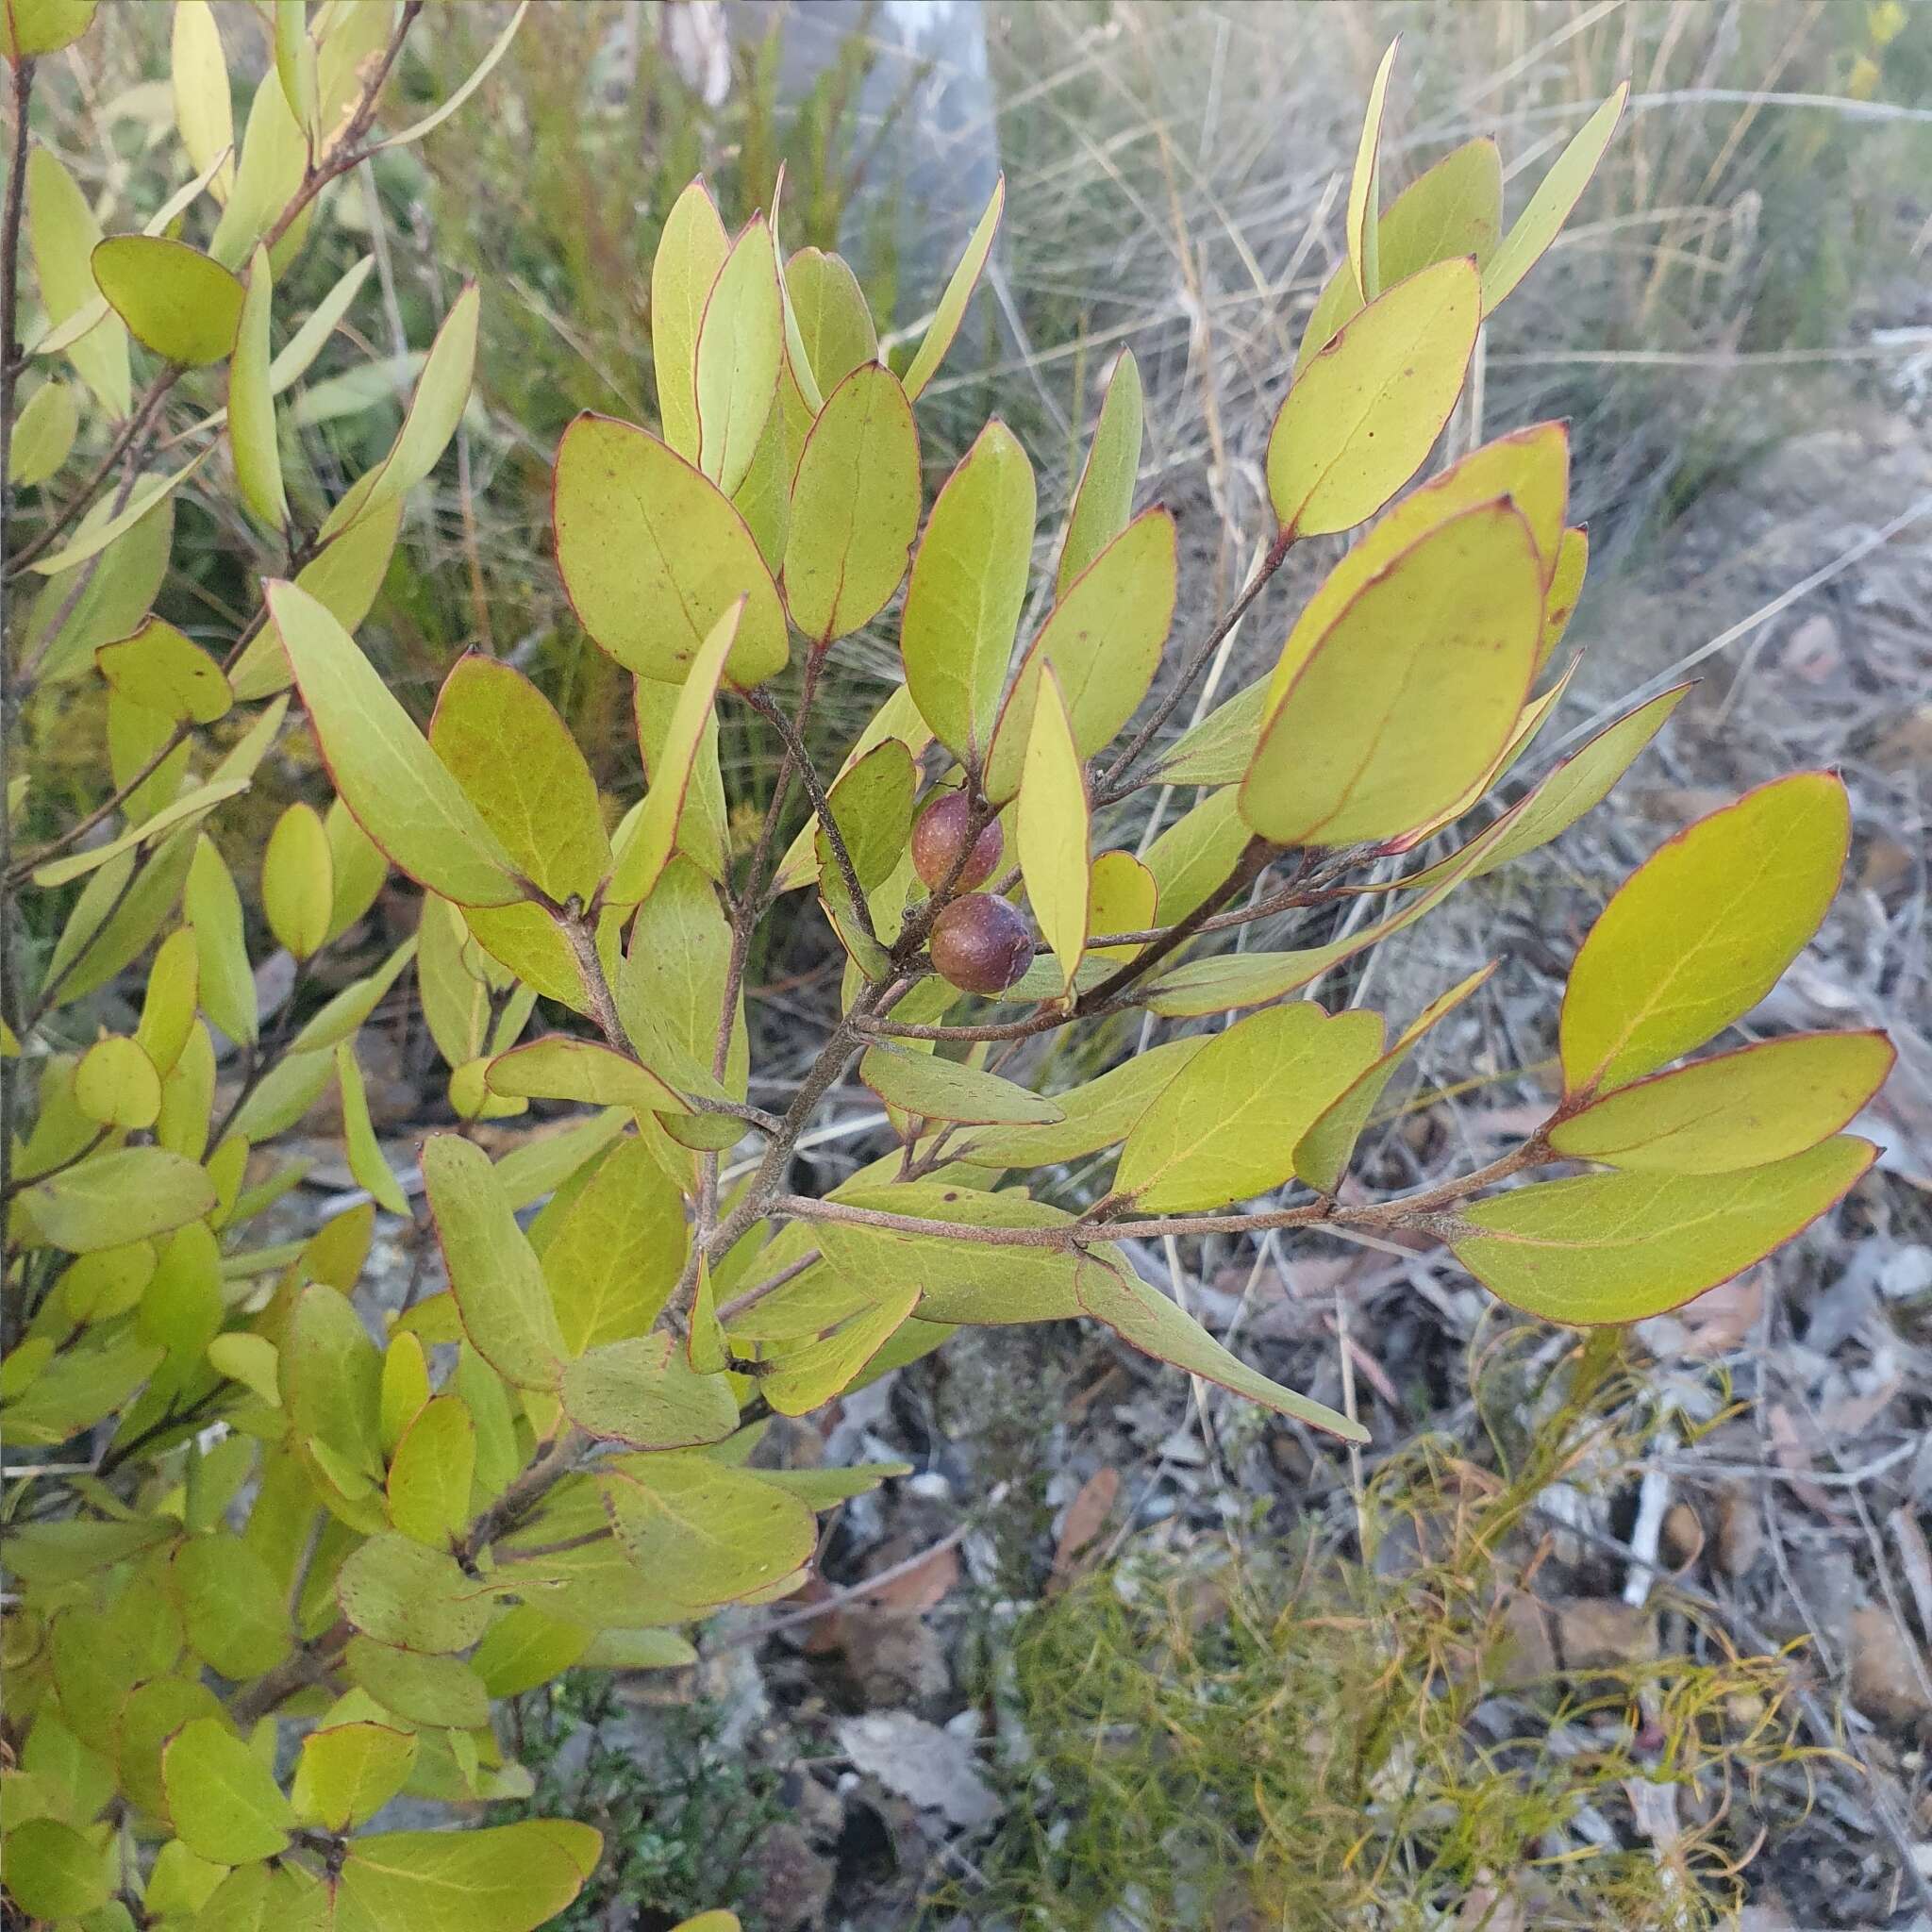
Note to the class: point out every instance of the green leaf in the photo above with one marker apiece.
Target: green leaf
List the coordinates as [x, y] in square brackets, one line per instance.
[872, 806]
[803, 1379]
[1454, 208]
[502, 741]
[29, 28]
[1410, 694]
[347, 1773]
[224, 1802]
[702, 1531]
[383, 769]
[653, 557]
[367, 1165]
[251, 403]
[1143, 1318]
[1093, 1116]
[561, 1068]
[44, 436]
[1549, 207]
[63, 233]
[617, 1250]
[232, 1609]
[203, 110]
[941, 1089]
[855, 507]
[191, 807]
[401, 1593]
[1055, 827]
[493, 1272]
[431, 1472]
[1700, 932]
[174, 299]
[295, 65]
[951, 311]
[1226, 1127]
[440, 1691]
[116, 1084]
[643, 857]
[1103, 498]
[835, 326]
[95, 603]
[53, 1872]
[968, 586]
[93, 537]
[1365, 219]
[1360, 419]
[1197, 853]
[690, 252]
[740, 345]
[435, 409]
[1763, 1103]
[1322, 1155]
[117, 1197]
[297, 881]
[1619, 1247]
[504, 1877]
[640, 1392]
[1102, 640]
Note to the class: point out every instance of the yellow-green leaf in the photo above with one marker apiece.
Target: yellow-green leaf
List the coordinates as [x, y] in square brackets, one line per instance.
[1365, 187]
[560, 1068]
[690, 252]
[943, 1090]
[401, 1593]
[1365, 412]
[1566, 589]
[27, 29]
[44, 436]
[1225, 1128]
[251, 403]
[347, 1773]
[189, 807]
[1054, 826]
[435, 409]
[835, 326]
[298, 882]
[502, 741]
[1703, 929]
[803, 1379]
[1549, 207]
[118, 1197]
[701, 1531]
[1619, 1247]
[1143, 1318]
[167, 1010]
[1104, 640]
[1124, 898]
[366, 1163]
[295, 65]
[163, 671]
[181, 304]
[741, 343]
[440, 1691]
[63, 233]
[383, 769]
[93, 537]
[640, 1392]
[233, 1611]
[653, 557]
[615, 1250]
[1103, 498]
[203, 111]
[116, 1084]
[855, 507]
[641, 861]
[969, 582]
[432, 1471]
[224, 1802]
[1322, 1155]
[214, 912]
[1412, 692]
[53, 1872]
[1762, 1103]
[951, 311]
[1094, 1116]
[493, 1272]
[504, 1877]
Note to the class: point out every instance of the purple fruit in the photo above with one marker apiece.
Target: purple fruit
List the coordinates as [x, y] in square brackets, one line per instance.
[981, 944]
[939, 837]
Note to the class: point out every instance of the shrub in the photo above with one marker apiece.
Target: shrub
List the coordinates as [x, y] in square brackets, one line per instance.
[282, 1545]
